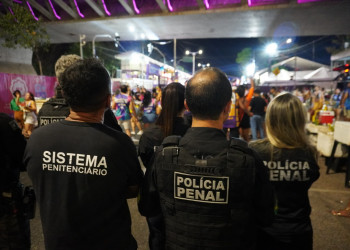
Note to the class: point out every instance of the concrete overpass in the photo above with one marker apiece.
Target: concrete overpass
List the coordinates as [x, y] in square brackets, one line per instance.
[65, 20]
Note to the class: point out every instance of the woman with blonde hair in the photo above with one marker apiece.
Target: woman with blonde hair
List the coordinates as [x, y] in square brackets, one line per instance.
[29, 114]
[293, 167]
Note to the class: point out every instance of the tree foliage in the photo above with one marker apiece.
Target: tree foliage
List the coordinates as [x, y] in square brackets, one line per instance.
[21, 29]
[338, 44]
[244, 57]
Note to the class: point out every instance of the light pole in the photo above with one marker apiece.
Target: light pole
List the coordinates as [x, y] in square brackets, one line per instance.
[116, 39]
[194, 58]
[150, 48]
[82, 43]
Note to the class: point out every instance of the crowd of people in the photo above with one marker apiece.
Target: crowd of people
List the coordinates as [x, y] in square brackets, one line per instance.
[203, 188]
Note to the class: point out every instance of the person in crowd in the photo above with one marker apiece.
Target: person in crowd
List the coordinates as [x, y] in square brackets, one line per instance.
[257, 107]
[231, 125]
[345, 102]
[149, 106]
[213, 194]
[317, 99]
[293, 168]
[14, 225]
[243, 102]
[344, 212]
[335, 102]
[135, 119]
[82, 170]
[123, 103]
[15, 106]
[56, 108]
[158, 100]
[29, 114]
[273, 93]
[169, 122]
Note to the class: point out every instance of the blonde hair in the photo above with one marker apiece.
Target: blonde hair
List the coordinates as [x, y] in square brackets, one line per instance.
[285, 122]
[64, 62]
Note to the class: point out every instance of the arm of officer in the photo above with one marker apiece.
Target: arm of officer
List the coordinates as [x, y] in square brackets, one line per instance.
[264, 197]
[133, 169]
[149, 203]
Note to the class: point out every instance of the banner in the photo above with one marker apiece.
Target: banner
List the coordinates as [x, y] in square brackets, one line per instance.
[41, 86]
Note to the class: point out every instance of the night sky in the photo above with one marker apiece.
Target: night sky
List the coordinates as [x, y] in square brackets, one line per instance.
[221, 53]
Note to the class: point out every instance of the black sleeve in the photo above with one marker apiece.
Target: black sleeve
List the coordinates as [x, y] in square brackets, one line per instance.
[264, 196]
[133, 167]
[111, 121]
[149, 203]
[13, 143]
[145, 151]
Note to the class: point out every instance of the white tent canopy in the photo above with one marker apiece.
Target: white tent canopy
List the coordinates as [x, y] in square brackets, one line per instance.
[321, 73]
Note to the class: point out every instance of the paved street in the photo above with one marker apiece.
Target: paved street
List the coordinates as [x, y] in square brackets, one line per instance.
[330, 232]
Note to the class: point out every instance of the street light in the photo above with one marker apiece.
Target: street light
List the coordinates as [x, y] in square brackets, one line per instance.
[194, 58]
[116, 39]
[150, 48]
[203, 65]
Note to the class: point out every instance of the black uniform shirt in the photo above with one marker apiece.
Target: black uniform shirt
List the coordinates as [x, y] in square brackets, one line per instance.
[291, 172]
[212, 141]
[81, 173]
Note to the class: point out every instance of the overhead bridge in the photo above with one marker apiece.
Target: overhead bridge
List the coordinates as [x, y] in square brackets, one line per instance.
[66, 20]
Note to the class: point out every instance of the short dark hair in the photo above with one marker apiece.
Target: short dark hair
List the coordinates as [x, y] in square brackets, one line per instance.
[257, 91]
[124, 88]
[207, 93]
[86, 85]
[15, 92]
[240, 90]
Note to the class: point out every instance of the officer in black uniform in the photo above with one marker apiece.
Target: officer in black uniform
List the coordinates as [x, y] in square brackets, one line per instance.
[14, 226]
[214, 194]
[56, 108]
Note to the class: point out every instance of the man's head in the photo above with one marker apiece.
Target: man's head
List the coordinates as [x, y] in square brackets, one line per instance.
[124, 89]
[273, 90]
[207, 94]
[64, 62]
[257, 92]
[86, 85]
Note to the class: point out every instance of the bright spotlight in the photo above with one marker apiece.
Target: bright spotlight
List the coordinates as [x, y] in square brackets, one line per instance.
[131, 28]
[200, 51]
[199, 64]
[208, 64]
[271, 49]
[250, 69]
[289, 40]
[187, 52]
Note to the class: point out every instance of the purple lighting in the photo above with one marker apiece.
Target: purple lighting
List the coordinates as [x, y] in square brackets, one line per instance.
[11, 11]
[17, 1]
[169, 6]
[31, 11]
[308, 1]
[265, 2]
[135, 7]
[105, 7]
[206, 3]
[76, 5]
[54, 11]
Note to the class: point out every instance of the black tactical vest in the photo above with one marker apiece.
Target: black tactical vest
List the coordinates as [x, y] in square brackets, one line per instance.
[207, 203]
[53, 110]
